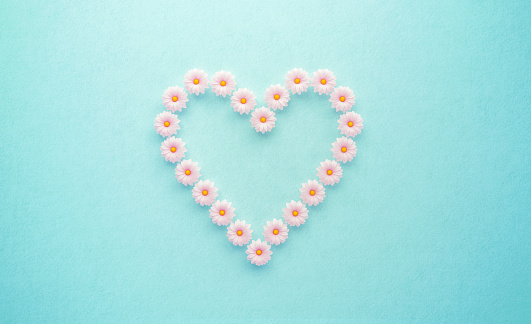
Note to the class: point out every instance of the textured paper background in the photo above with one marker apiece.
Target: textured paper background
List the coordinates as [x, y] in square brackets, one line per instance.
[430, 222]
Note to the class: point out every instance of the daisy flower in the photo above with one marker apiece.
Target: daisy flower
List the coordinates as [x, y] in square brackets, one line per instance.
[187, 172]
[312, 192]
[222, 212]
[295, 213]
[196, 81]
[329, 172]
[297, 80]
[174, 98]
[243, 101]
[276, 232]
[323, 81]
[172, 149]
[259, 252]
[223, 83]
[344, 149]
[166, 124]
[342, 99]
[204, 192]
[239, 233]
[277, 97]
[350, 124]
[263, 120]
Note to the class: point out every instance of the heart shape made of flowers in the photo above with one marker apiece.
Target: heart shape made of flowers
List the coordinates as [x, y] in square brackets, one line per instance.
[262, 120]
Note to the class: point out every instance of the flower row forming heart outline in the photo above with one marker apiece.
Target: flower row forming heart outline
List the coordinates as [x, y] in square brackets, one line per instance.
[263, 120]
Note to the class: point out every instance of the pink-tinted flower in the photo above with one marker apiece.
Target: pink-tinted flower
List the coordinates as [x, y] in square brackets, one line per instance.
[342, 99]
[187, 172]
[344, 149]
[323, 81]
[297, 80]
[295, 213]
[223, 83]
[167, 124]
[276, 232]
[350, 124]
[205, 193]
[263, 120]
[239, 233]
[312, 192]
[222, 212]
[259, 252]
[277, 97]
[243, 101]
[172, 149]
[196, 81]
[329, 172]
[174, 98]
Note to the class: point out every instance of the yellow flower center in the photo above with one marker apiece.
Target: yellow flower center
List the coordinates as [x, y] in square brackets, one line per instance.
[243, 100]
[239, 233]
[297, 80]
[329, 172]
[187, 172]
[263, 119]
[173, 149]
[174, 98]
[277, 97]
[205, 192]
[259, 252]
[223, 83]
[323, 81]
[295, 213]
[312, 192]
[343, 149]
[167, 124]
[275, 231]
[222, 212]
[342, 99]
[196, 81]
[350, 124]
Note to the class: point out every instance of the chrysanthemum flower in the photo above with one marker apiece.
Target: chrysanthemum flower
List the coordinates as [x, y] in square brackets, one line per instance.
[243, 101]
[342, 99]
[297, 80]
[187, 172]
[312, 193]
[205, 193]
[350, 124]
[167, 124]
[277, 97]
[222, 212]
[196, 81]
[239, 233]
[263, 120]
[344, 149]
[295, 213]
[172, 149]
[223, 83]
[323, 81]
[276, 232]
[259, 252]
[174, 98]
[329, 172]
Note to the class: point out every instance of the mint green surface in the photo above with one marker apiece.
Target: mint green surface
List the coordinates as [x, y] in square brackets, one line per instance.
[430, 222]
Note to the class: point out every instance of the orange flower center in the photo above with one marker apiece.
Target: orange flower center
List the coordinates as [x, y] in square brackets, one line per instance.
[329, 172]
[205, 192]
[277, 97]
[297, 80]
[350, 124]
[187, 172]
[295, 213]
[174, 98]
[223, 83]
[243, 100]
[342, 99]
[196, 81]
[323, 81]
[167, 124]
[312, 192]
[343, 149]
[275, 231]
[239, 233]
[259, 252]
[263, 119]
[222, 212]
[173, 149]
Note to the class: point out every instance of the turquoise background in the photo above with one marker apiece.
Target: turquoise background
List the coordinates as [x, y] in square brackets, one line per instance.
[430, 223]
